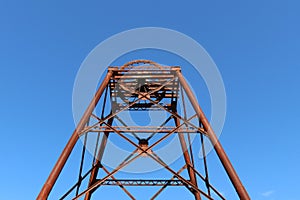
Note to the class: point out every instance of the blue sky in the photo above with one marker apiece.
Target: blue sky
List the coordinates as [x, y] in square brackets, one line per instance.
[254, 44]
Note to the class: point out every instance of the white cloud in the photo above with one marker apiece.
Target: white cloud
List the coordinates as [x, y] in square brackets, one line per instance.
[267, 193]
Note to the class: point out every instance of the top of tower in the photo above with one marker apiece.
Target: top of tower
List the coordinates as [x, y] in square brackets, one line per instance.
[145, 80]
[144, 65]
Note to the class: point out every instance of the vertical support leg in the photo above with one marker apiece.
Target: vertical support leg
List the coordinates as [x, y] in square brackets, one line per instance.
[97, 163]
[187, 159]
[241, 191]
[44, 193]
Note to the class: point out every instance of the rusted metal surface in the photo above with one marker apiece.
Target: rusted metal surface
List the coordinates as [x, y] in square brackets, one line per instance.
[139, 86]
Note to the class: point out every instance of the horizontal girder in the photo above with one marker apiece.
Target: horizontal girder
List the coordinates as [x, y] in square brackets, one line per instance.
[143, 129]
[144, 182]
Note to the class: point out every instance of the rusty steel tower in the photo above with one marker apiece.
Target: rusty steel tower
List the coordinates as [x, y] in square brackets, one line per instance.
[140, 86]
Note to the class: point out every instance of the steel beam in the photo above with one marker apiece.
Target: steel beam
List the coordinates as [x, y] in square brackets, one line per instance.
[164, 186]
[143, 182]
[187, 159]
[97, 163]
[241, 191]
[119, 184]
[44, 193]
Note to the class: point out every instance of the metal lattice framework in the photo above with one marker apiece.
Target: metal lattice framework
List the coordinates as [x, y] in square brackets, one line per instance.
[138, 86]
